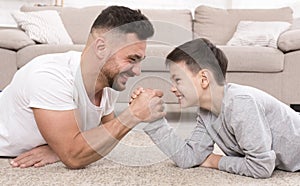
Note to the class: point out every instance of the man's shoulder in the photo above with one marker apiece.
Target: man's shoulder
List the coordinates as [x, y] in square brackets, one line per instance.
[53, 64]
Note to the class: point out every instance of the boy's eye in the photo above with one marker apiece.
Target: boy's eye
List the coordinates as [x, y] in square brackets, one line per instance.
[177, 80]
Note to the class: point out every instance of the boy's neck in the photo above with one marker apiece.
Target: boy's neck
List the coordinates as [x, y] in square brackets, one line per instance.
[214, 99]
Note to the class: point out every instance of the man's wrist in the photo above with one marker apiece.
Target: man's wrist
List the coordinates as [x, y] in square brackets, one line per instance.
[128, 119]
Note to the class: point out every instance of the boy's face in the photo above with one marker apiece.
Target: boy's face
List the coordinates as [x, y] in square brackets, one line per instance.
[184, 85]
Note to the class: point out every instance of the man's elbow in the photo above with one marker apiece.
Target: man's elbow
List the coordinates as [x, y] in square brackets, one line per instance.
[76, 160]
[75, 163]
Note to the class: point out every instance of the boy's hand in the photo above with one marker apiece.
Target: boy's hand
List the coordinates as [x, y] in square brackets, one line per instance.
[136, 93]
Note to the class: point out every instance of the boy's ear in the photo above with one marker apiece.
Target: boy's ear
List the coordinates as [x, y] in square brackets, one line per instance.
[204, 78]
[100, 47]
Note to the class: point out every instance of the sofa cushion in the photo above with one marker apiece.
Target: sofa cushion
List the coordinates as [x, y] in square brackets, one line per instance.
[258, 33]
[170, 29]
[43, 26]
[28, 53]
[14, 39]
[289, 40]
[79, 30]
[218, 25]
[155, 58]
[77, 25]
[8, 66]
[253, 59]
[296, 24]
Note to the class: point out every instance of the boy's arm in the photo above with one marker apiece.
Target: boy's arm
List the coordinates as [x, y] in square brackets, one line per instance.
[254, 138]
[185, 153]
[212, 161]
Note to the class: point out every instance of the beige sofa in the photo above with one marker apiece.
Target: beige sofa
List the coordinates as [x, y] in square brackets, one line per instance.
[274, 70]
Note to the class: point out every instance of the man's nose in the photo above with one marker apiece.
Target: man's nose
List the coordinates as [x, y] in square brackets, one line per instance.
[137, 69]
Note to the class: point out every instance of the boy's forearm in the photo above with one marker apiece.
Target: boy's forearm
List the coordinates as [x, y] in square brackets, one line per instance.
[185, 153]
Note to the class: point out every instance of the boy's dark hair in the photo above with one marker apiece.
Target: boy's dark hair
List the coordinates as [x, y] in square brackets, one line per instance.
[125, 20]
[201, 54]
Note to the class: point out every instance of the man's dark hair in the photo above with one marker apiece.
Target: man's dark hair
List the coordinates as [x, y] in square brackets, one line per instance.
[125, 20]
[201, 54]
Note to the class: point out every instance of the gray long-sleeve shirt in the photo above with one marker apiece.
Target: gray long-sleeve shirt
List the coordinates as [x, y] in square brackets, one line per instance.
[257, 133]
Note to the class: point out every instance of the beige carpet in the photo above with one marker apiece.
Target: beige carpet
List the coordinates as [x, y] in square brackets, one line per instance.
[105, 172]
[135, 161]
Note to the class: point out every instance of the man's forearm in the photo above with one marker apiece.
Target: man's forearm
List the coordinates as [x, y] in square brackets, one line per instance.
[92, 145]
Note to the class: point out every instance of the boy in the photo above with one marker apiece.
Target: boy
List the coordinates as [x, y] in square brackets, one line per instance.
[257, 132]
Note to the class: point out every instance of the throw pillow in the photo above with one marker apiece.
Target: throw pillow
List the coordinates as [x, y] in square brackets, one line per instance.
[255, 33]
[43, 26]
[289, 40]
[14, 39]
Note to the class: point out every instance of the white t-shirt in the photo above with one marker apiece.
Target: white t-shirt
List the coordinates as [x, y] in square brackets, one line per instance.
[51, 82]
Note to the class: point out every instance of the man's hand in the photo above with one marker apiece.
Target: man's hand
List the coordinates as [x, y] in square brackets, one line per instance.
[147, 105]
[37, 157]
[212, 161]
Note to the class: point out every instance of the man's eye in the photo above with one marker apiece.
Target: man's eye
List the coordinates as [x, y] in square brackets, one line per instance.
[177, 80]
[131, 60]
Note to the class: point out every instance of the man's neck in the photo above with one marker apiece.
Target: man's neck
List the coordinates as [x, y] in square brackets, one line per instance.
[94, 87]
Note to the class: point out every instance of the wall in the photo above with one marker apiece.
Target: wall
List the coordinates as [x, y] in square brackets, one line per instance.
[294, 4]
[7, 6]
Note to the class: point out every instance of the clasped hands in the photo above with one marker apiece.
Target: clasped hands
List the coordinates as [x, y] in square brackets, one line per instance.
[147, 104]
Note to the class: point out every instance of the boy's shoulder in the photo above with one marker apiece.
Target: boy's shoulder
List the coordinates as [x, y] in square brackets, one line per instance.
[233, 90]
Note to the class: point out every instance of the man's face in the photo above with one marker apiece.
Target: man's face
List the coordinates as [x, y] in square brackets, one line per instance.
[124, 63]
[184, 85]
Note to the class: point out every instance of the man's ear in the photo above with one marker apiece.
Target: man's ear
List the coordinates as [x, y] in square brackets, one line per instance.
[100, 47]
[204, 78]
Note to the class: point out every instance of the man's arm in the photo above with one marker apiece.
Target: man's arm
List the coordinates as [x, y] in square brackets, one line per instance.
[37, 157]
[43, 155]
[76, 148]
[107, 118]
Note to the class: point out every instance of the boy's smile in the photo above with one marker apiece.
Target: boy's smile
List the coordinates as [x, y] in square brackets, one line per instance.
[184, 85]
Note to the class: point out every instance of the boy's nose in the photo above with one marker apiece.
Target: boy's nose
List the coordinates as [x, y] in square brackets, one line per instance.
[173, 89]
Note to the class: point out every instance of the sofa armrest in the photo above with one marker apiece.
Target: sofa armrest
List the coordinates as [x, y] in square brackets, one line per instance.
[14, 39]
[289, 40]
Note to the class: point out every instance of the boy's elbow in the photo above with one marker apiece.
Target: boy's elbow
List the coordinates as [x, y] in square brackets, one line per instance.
[264, 174]
[184, 165]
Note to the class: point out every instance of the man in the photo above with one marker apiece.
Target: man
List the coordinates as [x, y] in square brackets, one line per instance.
[60, 106]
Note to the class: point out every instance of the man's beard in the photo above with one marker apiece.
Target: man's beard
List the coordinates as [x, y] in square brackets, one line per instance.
[111, 79]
